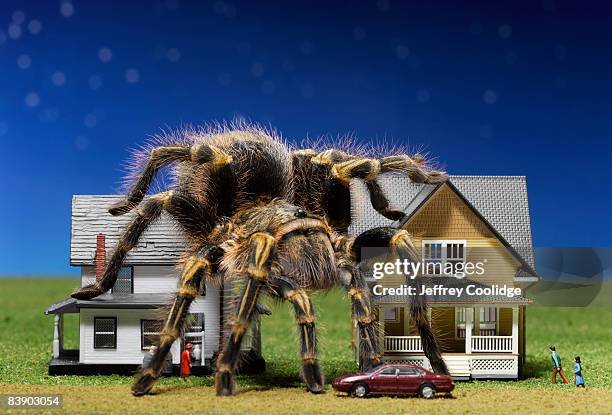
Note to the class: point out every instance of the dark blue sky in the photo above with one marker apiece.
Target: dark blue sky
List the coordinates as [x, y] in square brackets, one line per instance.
[501, 88]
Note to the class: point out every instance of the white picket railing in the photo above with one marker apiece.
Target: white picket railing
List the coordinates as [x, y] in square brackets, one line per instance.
[403, 344]
[491, 343]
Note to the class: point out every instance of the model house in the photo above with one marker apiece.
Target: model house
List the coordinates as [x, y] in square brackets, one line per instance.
[469, 219]
[477, 219]
[119, 327]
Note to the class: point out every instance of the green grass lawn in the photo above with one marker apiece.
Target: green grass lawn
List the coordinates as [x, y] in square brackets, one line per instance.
[26, 334]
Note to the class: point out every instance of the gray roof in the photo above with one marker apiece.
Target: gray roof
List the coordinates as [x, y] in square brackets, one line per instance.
[500, 200]
[445, 297]
[145, 300]
[161, 243]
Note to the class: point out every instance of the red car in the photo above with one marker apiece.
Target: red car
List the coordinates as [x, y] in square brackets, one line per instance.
[394, 379]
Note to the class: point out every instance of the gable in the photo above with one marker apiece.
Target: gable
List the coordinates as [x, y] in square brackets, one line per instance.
[446, 216]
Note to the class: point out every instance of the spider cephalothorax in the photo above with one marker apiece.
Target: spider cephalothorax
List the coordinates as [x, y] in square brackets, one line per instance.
[275, 218]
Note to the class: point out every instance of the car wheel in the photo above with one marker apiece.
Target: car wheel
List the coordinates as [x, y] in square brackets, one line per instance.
[427, 391]
[360, 390]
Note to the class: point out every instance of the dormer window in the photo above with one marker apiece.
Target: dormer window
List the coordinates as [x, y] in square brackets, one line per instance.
[125, 281]
[441, 257]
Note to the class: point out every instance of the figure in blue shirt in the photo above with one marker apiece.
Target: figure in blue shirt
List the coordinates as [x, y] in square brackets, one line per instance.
[578, 373]
[556, 366]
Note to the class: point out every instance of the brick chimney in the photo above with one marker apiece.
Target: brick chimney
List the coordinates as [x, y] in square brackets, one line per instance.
[100, 255]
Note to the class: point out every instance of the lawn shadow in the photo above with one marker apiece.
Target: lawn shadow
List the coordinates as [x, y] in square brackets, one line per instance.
[535, 368]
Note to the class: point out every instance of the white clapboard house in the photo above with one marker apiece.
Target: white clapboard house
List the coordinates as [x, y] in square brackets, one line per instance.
[469, 218]
[118, 328]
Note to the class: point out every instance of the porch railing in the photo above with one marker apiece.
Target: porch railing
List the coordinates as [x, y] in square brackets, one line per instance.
[403, 344]
[492, 344]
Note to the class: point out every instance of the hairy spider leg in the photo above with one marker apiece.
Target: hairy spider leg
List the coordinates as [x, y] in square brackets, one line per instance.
[158, 158]
[305, 319]
[401, 244]
[196, 271]
[262, 249]
[193, 217]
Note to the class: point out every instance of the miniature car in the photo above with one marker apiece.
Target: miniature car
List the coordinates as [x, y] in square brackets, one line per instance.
[394, 379]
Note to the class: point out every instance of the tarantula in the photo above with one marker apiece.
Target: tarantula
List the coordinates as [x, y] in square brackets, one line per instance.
[253, 209]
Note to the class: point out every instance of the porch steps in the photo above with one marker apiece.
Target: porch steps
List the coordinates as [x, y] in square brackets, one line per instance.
[458, 366]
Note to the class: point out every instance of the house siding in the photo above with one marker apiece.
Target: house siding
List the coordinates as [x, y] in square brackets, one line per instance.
[128, 349]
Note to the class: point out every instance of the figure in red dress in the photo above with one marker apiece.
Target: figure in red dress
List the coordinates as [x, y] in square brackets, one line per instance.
[186, 362]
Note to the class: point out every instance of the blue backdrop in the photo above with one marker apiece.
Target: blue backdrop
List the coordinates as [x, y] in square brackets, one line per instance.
[498, 88]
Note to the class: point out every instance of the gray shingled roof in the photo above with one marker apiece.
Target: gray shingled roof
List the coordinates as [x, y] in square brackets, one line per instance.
[501, 200]
[162, 243]
[142, 300]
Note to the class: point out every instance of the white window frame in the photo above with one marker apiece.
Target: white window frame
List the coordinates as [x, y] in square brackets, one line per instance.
[444, 259]
[395, 318]
[486, 325]
[460, 324]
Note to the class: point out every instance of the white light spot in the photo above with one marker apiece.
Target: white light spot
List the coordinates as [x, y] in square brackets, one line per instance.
[489, 97]
[306, 48]
[14, 31]
[257, 69]
[423, 96]
[90, 121]
[224, 79]
[383, 5]
[34, 26]
[32, 100]
[81, 142]
[402, 52]
[505, 31]
[67, 8]
[359, 33]
[268, 87]
[307, 91]
[24, 61]
[58, 78]
[95, 82]
[132, 76]
[18, 17]
[3, 128]
[105, 55]
[173, 55]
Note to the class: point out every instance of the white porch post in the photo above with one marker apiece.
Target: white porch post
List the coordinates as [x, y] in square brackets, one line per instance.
[381, 326]
[56, 339]
[469, 321]
[515, 330]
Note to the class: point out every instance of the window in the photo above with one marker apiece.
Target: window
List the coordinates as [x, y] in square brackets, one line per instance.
[390, 371]
[195, 323]
[408, 371]
[487, 321]
[149, 333]
[484, 324]
[105, 332]
[460, 322]
[443, 257]
[391, 314]
[125, 281]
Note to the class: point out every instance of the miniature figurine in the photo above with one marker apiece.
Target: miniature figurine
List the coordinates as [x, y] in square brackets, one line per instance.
[186, 362]
[556, 368]
[579, 379]
[275, 219]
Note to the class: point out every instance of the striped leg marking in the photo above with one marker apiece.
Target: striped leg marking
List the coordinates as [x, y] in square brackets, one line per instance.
[261, 252]
[196, 271]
